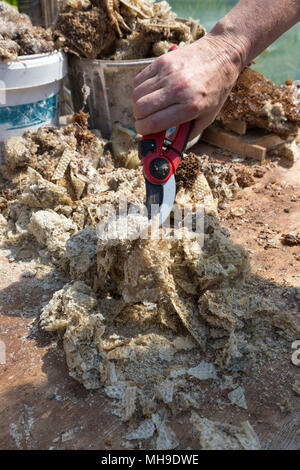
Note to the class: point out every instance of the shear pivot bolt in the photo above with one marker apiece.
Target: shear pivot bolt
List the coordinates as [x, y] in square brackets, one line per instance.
[159, 168]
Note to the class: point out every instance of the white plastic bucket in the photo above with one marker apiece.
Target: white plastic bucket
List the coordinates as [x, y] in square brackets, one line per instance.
[29, 92]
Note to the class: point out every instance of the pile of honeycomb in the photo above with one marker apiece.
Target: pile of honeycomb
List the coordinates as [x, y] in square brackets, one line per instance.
[145, 319]
[18, 37]
[122, 29]
[261, 103]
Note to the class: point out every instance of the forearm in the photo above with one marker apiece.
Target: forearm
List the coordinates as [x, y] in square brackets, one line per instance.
[194, 82]
[252, 25]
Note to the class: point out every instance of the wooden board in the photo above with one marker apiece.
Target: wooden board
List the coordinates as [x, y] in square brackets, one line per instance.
[229, 141]
[240, 127]
[270, 141]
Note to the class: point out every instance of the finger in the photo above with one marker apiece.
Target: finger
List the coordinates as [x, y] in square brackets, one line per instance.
[147, 87]
[155, 83]
[154, 102]
[169, 117]
[200, 124]
[145, 74]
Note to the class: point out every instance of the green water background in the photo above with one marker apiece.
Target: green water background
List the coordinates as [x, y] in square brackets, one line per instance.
[279, 62]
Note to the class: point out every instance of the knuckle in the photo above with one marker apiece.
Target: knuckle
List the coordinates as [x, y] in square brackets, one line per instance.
[172, 68]
[166, 65]
[162, 61]
[177, 89]
[185, 81]
[182, 84]
[196, 104]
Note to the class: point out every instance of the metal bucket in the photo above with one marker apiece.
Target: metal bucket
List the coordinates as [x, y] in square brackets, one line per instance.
[108, 87]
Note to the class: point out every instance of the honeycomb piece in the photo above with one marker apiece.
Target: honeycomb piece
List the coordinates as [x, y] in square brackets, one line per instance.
[187, 171]
[129, 28]
[260, 103]
[174, 373]
[135, 46]
[43, 194]
[128, 402]
[125, 147]
[80, 254]
[79, 25]
[52, 231]
[75, 297]
[18, 152]
[225, 308]
[288, 150]
[144, 431]
[296, 387]
[113, 342]
[165, 391]
[221, 436]
[237, 397]
[203, 371]
[9, 49]
[166, 439]
[122, 352]
[74, 311]
[3, 222]
[184, 343]
[161, 47]
[62, 165]
[18, 37]
[192, 187]
[116, 390]
[82, 344]
[248, 437]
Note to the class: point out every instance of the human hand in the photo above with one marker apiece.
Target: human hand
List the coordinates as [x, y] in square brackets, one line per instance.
[191, 83]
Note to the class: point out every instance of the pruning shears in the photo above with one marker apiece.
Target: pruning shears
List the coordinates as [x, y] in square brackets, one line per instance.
[161, 158]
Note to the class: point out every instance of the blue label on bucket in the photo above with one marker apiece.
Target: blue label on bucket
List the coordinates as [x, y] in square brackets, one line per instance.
[31, 114]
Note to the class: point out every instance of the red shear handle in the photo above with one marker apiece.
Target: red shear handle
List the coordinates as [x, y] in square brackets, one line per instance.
[160, 165]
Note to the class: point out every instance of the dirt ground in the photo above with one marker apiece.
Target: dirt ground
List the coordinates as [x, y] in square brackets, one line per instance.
[41, 407]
